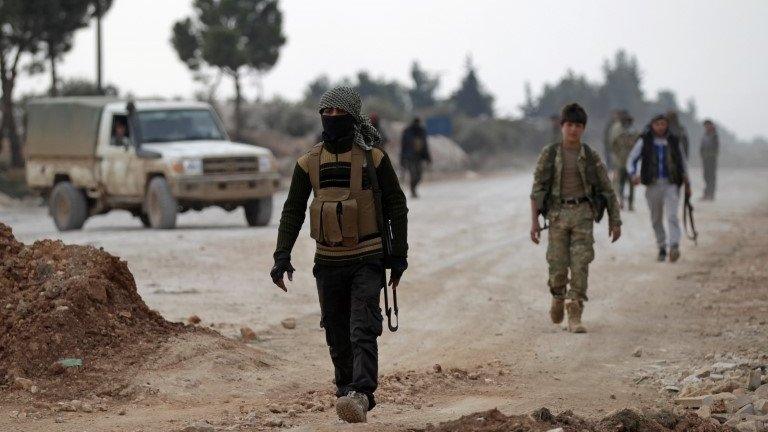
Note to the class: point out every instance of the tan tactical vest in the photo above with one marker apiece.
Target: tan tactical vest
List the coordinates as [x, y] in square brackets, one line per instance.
[341, 217]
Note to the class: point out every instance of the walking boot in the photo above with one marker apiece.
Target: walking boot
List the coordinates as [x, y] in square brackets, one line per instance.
[353, 407]
[662, 255]
[575, 308]
[557, 310]
[674, 253]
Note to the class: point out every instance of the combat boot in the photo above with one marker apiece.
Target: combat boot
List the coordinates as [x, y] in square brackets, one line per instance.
[352, 408]
[662, 255]
[575, 308]
[674, 253]
[557, 310]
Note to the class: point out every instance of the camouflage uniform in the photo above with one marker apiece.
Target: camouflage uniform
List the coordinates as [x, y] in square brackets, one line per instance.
[570, 232]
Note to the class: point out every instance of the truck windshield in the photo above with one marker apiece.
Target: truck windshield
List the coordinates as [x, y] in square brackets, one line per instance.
[178, 125]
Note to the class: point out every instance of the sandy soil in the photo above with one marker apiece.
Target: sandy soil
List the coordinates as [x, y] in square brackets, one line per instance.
[474, 301]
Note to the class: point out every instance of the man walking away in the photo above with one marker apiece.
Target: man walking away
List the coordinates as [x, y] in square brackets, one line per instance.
[613, 120]
[622, 140]
[349, 266]
[414, 152]
[657, 161]
[710, 148]
[571, 182]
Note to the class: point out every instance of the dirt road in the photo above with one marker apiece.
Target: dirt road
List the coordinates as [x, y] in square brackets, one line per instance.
[474, 299]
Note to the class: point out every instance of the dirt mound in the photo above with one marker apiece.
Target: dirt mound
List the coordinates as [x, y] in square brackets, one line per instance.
[61, 301]
[542, 420]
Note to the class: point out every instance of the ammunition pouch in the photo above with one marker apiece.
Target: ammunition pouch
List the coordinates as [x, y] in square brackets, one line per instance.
[334, 223]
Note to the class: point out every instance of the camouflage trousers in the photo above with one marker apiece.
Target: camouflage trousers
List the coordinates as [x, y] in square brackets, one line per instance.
[570, 248]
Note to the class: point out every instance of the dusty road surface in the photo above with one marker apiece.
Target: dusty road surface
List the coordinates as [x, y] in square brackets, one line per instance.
[474, 301]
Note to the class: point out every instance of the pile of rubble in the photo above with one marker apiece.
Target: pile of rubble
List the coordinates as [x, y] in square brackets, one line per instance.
[67, 308]
[542, 420]
[732, 391]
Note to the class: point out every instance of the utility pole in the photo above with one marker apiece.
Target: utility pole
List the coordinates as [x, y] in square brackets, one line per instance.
[98, 47]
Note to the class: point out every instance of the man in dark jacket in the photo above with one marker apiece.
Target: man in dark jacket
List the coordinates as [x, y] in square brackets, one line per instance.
[349, 262]
[658, 162]
[414, 152]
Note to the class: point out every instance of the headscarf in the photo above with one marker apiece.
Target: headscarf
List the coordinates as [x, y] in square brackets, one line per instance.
[348, 99]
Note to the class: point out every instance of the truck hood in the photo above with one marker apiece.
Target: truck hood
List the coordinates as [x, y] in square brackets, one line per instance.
[204, 149]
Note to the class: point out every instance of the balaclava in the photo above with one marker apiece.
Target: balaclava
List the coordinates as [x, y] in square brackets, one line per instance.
[348, 99]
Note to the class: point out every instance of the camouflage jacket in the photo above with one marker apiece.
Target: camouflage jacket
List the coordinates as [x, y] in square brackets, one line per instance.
[548, 174]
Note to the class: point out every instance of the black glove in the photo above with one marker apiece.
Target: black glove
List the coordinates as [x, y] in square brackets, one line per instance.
[282, 265]
[398, 265]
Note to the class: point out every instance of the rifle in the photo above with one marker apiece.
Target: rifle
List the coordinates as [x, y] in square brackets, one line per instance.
[385, 228]
[688, 216]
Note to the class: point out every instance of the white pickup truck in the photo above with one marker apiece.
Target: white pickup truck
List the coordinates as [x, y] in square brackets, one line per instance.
[90, 155]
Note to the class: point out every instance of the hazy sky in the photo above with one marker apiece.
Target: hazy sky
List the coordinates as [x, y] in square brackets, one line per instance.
[712, 51]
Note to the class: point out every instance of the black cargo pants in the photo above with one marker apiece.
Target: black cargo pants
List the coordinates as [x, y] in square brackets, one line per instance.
[351, 316]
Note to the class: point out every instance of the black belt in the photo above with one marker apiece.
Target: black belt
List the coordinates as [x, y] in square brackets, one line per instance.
[574, 200]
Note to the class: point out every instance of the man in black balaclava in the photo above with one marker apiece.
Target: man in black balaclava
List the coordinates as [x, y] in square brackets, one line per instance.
[349, 261]
[414, 152]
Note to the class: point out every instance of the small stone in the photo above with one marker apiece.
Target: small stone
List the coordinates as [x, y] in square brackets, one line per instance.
[739, 402]
[556, 430]
[200, 426]
[274, 422]
[473, 375]
[638, 352]
[747, 409]
[723, 366]
[289, 323]
[613, 397]
[76, 404]
[704, 412]
[762, 391]
[86, 408]
[747, 426]
[23, 383]
[755, 379]
[194, 319]
[761, 406]
[251, 417]
[121, 412]
[59, 419]
[703, 372]
[56, 368]
[437, 368]
[247, 334]
[695, 402]
[34, 389]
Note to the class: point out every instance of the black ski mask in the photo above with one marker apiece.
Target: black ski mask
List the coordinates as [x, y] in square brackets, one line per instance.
[338, 128]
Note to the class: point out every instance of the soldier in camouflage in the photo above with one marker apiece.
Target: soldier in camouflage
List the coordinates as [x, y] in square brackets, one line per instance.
[570, 182]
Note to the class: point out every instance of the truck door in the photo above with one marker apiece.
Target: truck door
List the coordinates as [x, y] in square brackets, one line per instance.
[121, 171]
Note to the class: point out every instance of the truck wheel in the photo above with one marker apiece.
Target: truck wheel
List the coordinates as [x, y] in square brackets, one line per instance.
[160, 205]
[258, 212]
[68, 206]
